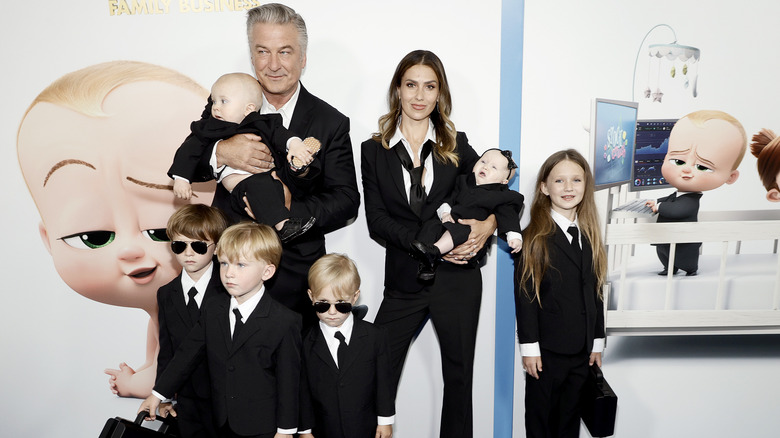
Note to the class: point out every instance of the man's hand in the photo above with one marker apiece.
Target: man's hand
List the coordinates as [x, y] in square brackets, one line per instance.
[245, 152]
[166, 409]
[384, 431]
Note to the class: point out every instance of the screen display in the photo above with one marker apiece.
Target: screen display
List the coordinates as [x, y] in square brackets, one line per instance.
[613, 132]
[652, 142]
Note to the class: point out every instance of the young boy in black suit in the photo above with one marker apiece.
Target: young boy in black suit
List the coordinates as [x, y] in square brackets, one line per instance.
[252, 343]
[194, 231]
[346, 383]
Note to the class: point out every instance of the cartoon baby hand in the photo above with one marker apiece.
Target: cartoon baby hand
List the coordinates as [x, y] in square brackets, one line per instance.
[119, 379]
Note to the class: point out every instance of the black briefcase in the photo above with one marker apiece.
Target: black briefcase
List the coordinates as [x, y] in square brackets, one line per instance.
[118, 427]
[598, 404]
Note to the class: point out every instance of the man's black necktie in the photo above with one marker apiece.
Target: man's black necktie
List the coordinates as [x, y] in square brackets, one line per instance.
[192, 305]
[416, 190]
[341, 354]
[575, 238]
[239, 323]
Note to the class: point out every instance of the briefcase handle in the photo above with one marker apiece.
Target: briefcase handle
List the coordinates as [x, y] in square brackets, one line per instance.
[167, 422]
[597, 374]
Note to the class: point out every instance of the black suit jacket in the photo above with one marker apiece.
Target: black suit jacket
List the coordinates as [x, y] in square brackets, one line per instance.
[571, 313]
[345, 402]
[389, 216]
[254, 378]
[471, 201]
[334, 199]
[175, 324]
[679, 208]
[206, 131]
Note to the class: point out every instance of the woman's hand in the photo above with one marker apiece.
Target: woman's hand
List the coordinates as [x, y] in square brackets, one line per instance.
[481, 231]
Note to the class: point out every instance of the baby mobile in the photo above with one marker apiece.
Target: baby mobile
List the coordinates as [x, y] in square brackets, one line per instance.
[669, 62]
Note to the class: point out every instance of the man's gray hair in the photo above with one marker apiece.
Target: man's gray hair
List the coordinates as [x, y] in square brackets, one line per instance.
[277, 13]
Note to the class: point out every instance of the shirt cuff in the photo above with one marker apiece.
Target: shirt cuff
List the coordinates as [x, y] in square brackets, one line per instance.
[304, 432]
[530, 350]
[180, 177]
[513, 235]
[287, 431]
[598, 345]
[444, 208]
[287, 146]
[163, 399]
[213, 160]
[385, 421]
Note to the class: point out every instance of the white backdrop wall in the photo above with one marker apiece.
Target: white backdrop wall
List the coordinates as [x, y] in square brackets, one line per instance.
[57, 343]
[575, 51]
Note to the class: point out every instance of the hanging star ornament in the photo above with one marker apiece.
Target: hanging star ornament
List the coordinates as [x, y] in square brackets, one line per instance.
[658, 95]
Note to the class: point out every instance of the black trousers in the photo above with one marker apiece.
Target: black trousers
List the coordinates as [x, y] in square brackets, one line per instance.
[552, 402]
[686, 256]
[265, 196]
[193, 415]
[452, 303]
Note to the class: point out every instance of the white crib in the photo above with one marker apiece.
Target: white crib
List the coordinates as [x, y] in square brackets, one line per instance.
[733, 292]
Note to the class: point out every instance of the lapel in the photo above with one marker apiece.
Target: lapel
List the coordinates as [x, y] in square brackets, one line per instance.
[357, 343]
[302, 114]
[253, 322]
[177, 297]
[396, 171]
[560, 240]
[223, 321]
[320, 348]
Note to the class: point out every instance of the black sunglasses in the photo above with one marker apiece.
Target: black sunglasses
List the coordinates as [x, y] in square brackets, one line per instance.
[324, 306]
[200, 247]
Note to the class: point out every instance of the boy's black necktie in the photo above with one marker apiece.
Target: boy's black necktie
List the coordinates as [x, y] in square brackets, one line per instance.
[239, 323]
[341, 354]
[575, 238]
[416, 190]
[192, 305]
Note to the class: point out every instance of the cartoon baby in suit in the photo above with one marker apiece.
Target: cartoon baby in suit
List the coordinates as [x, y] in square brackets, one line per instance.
[705, 149]
[94, 148]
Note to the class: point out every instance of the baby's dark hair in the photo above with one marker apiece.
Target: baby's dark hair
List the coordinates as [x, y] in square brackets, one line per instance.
[510, 163]
[197, 221]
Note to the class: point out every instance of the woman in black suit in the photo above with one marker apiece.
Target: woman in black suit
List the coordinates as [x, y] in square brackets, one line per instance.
[409, 168]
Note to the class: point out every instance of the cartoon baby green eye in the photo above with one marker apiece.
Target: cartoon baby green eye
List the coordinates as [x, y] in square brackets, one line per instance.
[89, 239]
[157, 235]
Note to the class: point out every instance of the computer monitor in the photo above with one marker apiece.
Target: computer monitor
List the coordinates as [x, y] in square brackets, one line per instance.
[612, 136]
[652, 142]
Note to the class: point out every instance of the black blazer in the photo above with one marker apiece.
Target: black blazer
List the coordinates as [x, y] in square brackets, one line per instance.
[389, 216]
[679, 208]
[471, 201]
[175, 323]
[345, 402]
[571, 314]
[254, 379]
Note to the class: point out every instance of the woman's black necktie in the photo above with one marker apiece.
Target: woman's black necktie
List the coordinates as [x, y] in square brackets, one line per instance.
[416, 190]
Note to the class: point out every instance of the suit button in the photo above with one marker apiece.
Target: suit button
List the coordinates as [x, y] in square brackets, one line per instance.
[231, 368]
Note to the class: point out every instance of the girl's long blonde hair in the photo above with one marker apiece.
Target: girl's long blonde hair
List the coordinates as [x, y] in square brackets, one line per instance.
[536, 254]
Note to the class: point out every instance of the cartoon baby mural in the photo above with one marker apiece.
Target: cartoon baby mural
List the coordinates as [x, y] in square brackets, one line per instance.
[94, 149]
[766, 148]
[705, 149]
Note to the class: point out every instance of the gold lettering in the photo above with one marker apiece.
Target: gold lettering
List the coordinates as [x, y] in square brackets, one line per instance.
[123, 8]
[184, 6]
[166, 6]
[139, 7]
[112, 7]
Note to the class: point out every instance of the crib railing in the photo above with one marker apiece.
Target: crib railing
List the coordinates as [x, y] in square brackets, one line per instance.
[620, 237]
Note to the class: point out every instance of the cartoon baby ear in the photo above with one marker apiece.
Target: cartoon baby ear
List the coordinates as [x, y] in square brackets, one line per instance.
[45, 236]
[773, 195]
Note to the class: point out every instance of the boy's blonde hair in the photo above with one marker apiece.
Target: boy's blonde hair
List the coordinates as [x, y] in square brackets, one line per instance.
[250, 240]
[337, 271]
[197, 221]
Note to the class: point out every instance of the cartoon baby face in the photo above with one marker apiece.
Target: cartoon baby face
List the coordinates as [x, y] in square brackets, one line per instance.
[702, 158]
[101, 188]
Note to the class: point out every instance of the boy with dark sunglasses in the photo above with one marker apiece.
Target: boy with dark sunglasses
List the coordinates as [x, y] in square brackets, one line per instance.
[346, 388]
[194, 231]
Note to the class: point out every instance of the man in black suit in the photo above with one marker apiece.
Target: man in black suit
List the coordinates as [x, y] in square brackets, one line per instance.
[277, 42]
